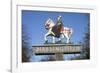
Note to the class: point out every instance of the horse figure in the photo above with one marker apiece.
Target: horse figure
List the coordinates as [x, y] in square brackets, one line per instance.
[57, 30]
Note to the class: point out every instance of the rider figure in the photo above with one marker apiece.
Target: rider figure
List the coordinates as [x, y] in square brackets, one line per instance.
[59, 25]
[59, 20]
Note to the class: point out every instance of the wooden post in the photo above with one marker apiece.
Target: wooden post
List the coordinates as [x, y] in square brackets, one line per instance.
[59, 56]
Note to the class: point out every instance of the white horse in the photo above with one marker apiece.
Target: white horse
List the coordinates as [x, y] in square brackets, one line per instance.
[65, 32]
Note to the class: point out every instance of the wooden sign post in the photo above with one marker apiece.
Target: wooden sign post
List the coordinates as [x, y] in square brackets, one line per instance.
[57, 49]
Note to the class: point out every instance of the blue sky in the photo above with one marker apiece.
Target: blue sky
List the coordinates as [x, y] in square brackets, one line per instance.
[34, 21]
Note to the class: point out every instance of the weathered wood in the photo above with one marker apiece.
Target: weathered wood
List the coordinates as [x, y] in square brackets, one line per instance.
[56, 49]
[59, 56]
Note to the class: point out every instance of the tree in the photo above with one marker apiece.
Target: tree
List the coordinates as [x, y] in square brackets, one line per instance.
[86, 44]
[25, 45]
[49, 58]
[85, 54]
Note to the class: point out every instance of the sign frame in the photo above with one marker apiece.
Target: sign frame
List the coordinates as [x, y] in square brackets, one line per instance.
[16, 64]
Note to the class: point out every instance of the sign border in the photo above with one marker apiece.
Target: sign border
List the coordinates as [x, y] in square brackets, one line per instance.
[17, 66]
